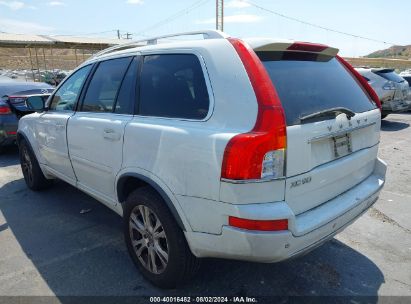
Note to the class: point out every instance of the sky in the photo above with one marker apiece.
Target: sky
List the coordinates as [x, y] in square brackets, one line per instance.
[382, 20]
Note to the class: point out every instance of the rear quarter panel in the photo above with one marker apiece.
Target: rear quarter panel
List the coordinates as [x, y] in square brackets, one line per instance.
[187, 155]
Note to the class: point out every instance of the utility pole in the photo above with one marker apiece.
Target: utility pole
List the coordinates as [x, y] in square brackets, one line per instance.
[128, 36]
[219, 15]
[118, 34]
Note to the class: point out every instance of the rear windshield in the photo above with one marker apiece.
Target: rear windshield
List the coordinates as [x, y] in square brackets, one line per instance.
[390, 75]
[308, 84]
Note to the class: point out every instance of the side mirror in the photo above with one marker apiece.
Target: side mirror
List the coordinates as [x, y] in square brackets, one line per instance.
[35, 103]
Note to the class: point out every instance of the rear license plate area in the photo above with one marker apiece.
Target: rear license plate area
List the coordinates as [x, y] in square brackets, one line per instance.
[342, 145]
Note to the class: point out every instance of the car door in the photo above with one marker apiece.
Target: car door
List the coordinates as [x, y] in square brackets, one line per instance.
[51, 126]
[95, 132]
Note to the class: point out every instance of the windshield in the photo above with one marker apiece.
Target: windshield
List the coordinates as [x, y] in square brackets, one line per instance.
[308, 84]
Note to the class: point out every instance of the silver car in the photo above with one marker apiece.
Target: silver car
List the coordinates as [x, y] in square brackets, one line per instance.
[407, 76]
[391, 88]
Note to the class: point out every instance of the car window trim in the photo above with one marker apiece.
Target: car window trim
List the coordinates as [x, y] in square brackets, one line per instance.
[85, 86]
[79, 107]
[206, 76]
[137, 90]
[63, 82]
[133, 61]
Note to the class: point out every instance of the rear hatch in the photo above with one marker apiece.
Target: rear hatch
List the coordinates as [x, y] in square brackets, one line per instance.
[328, 153]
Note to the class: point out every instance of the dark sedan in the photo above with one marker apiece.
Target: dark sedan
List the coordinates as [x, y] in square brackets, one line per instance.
[13, 106]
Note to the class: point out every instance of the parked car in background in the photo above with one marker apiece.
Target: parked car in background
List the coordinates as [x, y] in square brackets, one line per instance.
[256, 150]
[391, 88]
[53, 77]
[13, 106]
[407, 76]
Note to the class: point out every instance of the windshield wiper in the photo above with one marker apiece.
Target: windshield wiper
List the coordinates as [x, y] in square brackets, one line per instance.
[334, 112]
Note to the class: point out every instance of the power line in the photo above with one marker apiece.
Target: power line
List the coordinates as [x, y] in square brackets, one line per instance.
[315, 25]
[172, 17]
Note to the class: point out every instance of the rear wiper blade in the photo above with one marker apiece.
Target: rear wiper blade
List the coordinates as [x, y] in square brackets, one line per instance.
[333, 111]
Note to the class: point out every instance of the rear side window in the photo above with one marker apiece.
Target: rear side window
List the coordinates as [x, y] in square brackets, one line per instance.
[173, 85]
[307, 85]
[105, 84]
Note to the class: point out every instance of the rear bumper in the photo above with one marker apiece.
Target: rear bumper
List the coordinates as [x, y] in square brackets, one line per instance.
[8, 129]
[306, 231]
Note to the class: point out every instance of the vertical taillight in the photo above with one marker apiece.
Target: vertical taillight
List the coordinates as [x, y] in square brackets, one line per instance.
[259, 153]
[374, 97]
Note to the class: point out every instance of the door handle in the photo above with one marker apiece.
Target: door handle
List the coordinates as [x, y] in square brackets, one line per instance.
[111, 134]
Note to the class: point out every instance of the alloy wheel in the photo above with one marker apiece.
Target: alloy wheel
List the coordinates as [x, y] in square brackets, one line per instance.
[148, 239]
[27, 165]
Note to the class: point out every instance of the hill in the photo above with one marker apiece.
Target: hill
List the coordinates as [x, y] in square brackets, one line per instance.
[396, 51]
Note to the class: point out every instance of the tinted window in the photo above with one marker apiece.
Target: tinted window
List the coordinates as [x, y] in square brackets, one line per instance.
[104, 86]
[389, 75]
[308, 85]
[66, 96]
[173, 86]
[408, 79]
[126, 96]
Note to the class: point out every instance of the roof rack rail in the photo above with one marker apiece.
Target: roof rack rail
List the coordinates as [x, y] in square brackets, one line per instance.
[208, 34]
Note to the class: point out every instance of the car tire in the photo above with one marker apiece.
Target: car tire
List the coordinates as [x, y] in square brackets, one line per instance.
[32, 173]
[158, 246]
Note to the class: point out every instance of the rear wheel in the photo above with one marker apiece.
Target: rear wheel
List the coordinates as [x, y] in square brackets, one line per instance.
[32, 173]
[155, 242]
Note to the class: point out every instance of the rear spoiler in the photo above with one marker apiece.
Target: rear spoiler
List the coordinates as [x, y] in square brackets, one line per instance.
[264, 45]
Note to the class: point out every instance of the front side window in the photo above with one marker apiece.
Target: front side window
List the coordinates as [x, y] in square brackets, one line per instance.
[104, 86]
[173, 85]
[126, 95]
[66, 96]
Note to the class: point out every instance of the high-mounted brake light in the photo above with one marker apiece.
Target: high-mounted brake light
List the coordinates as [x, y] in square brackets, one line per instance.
[307, 47]
[258, 225]
[259, 153]
[364, 83]
[4, 109]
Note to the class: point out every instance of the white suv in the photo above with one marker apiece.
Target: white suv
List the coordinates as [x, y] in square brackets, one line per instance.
[216, 147]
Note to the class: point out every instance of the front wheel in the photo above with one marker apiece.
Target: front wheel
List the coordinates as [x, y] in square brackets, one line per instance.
[32, 173]
[155, 242]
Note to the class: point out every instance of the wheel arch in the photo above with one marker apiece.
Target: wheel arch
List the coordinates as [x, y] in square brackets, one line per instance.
[21, 136]
[129, 182]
